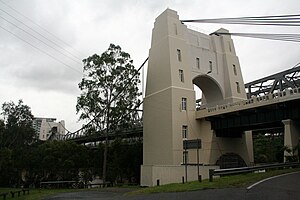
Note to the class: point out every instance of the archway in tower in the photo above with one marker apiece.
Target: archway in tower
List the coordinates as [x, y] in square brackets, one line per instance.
[208, 91]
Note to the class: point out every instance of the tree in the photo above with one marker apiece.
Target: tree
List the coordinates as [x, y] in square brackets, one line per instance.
[109, 93]
[268, 148]
[18, 125]
[125, 161]
[16, 135]
[292, 153]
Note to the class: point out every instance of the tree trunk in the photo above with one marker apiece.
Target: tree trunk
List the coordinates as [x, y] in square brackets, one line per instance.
[106, 144]
[105, 158]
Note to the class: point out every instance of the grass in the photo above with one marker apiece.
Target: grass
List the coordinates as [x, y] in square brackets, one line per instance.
[242, 180]
[35, 194]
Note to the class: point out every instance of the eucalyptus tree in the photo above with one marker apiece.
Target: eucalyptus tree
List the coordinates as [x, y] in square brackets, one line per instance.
[109, 93]
[18, 125]
[16, 137]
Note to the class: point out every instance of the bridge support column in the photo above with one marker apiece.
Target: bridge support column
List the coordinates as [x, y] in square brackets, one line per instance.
[249, 145]
[291, 137]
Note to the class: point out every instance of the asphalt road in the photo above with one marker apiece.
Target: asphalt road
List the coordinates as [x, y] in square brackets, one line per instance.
[282, 187]
[285, 187]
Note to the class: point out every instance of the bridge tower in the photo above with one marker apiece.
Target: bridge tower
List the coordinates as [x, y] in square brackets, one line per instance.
[179, 58]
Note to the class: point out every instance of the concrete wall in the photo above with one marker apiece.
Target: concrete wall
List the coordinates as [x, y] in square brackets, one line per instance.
[172, 173]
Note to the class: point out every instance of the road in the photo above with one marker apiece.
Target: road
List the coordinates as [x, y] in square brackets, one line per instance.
[285, 187]
[282, 187]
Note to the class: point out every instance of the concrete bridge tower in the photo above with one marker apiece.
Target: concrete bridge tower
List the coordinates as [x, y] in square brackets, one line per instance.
[178, 59]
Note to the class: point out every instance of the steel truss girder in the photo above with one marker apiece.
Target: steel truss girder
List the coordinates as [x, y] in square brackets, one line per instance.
[277, 82]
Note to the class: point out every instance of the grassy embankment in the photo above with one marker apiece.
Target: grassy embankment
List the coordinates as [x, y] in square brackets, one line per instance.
[242, 180]
[34, 194]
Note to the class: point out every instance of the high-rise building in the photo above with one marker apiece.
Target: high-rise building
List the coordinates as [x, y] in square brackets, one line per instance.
[48, 128]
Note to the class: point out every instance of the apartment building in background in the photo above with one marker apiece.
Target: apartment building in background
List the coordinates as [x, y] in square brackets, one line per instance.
[48, 128]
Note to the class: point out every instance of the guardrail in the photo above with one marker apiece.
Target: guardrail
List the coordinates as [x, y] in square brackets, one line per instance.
[230, 171]
[59, 184]
[71, 184]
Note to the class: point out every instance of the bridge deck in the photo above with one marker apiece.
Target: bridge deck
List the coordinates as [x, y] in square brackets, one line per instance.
[284, 96]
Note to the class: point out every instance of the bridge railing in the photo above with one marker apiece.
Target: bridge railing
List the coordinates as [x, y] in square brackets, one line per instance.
[82, 133]
[241, 170]
[287, 93]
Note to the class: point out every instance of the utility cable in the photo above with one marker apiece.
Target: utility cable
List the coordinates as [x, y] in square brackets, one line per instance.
[74, 56]
[45, 30]
[39, 40]
[44, 52]
[281, 37]
[276, 20]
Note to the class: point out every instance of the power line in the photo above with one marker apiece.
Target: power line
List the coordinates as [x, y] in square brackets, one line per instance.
[41, 35]
[41, 50]
[39, 39]
[281, 37]
[45, 30]
[276, 20]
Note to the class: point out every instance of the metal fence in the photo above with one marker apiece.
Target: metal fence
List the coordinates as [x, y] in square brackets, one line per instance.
[219, 172]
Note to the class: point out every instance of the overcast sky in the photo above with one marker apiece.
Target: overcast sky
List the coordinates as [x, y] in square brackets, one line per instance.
[37, 75]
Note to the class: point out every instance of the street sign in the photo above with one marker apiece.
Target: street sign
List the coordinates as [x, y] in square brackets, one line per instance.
[192, 144]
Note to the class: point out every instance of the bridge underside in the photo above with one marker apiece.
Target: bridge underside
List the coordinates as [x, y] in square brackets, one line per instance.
[267, 118]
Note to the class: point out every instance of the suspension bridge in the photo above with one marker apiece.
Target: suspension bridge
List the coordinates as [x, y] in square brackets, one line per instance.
[223, 121]
[284, 87]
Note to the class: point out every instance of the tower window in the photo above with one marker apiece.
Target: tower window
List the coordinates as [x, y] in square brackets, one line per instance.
[198, 63]
[234, 69]
[184, 131]
[181, 75]
[238, 89]
[179, 55]
[229, 46]
[175, 29]
[183, 103]
[210, 66]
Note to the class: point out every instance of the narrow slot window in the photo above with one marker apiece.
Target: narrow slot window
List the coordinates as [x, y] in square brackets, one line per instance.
[210, 66]
[234, 70]
[183, 103]
[181, 75]
[238, 89]
[229, 46]
[184, 131]
[179, 55]
[175, 29]
[198, 63]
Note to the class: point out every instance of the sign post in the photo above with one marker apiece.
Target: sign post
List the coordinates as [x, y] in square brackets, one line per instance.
[191, 144]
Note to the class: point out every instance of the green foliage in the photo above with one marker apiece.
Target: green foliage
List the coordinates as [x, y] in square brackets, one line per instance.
[109, 94]
[16, 135]
[6, 166]
[109, 88]
[268, 148]
[25, 161]
[293, 153]
[124, 161]
[16, 129]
